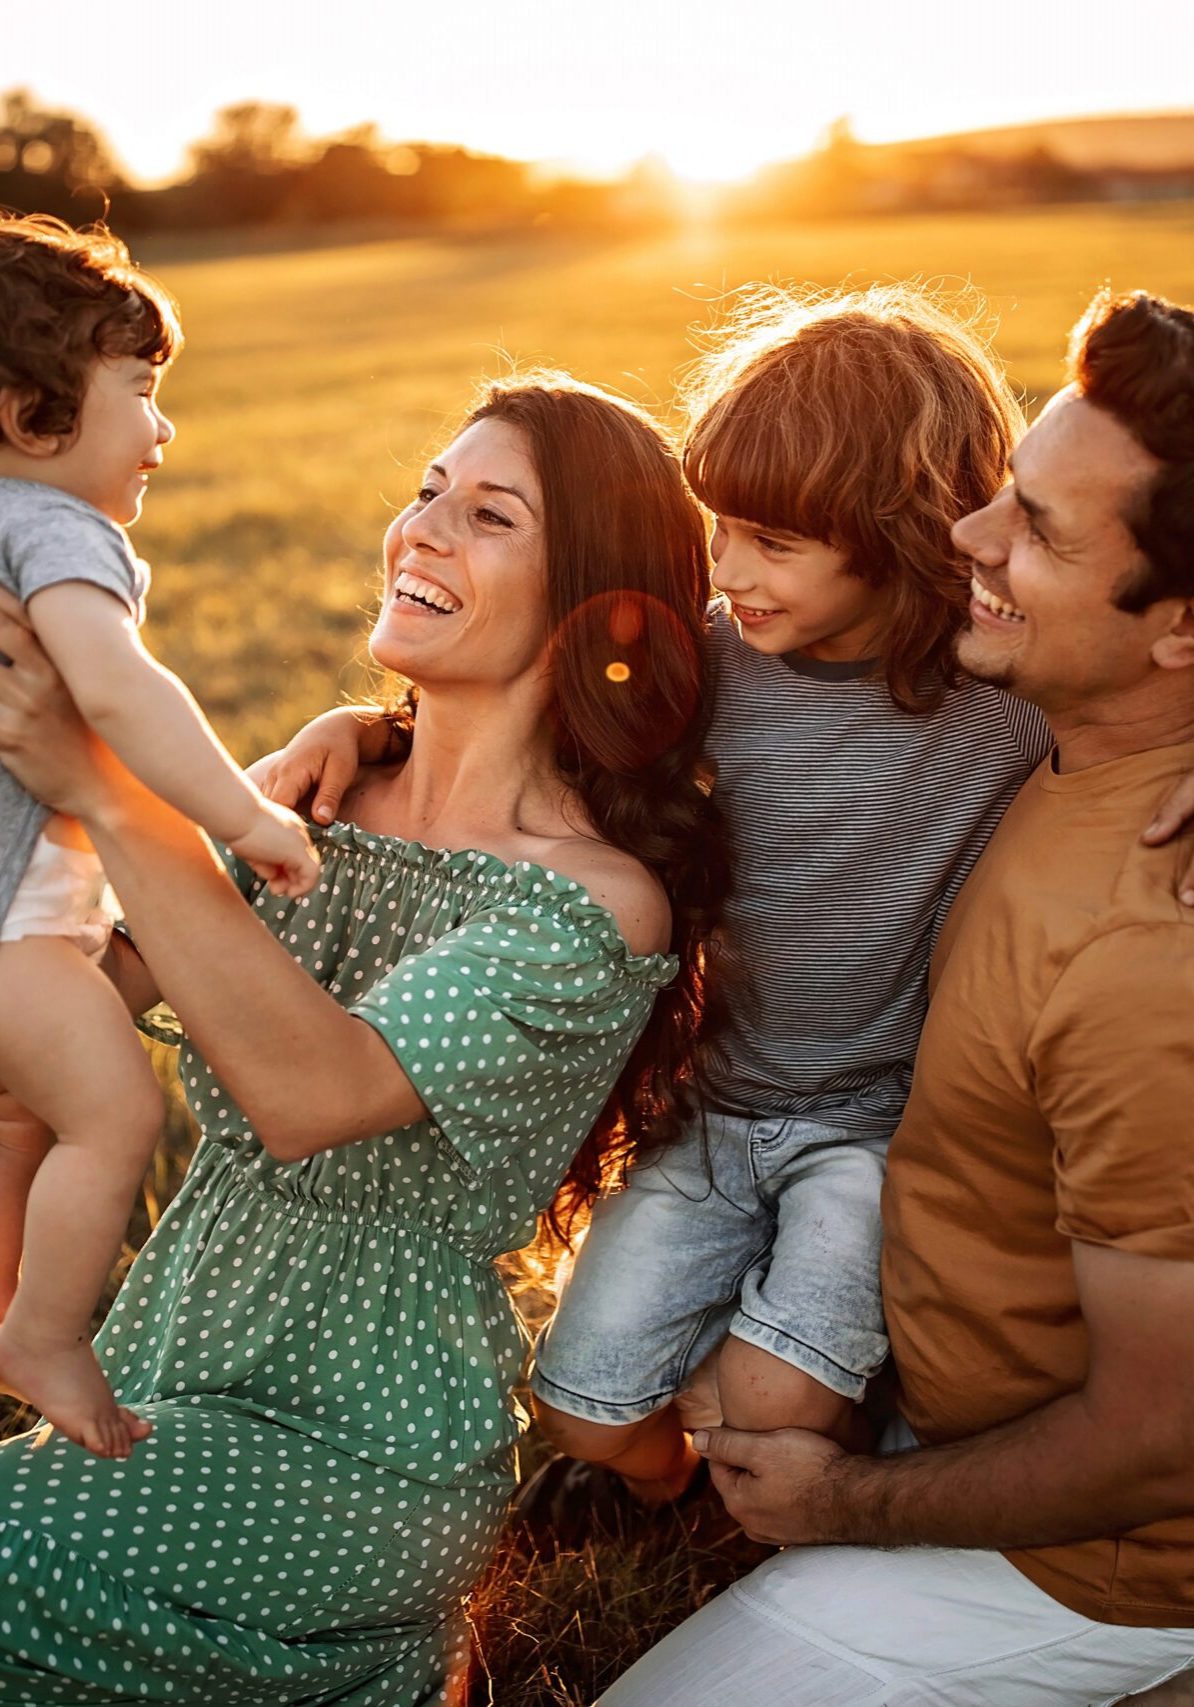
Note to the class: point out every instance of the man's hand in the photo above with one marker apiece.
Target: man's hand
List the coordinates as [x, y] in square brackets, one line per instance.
[779, 1486]
[1174, 814]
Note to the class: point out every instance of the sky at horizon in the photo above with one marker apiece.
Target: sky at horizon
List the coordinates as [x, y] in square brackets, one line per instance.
[715, 89]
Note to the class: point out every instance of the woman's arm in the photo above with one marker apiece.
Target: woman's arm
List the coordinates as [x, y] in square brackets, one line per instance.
[306, 1074]
[134, 981]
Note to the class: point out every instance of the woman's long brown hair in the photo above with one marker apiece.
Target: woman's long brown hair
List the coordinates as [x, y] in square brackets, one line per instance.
[627, 590]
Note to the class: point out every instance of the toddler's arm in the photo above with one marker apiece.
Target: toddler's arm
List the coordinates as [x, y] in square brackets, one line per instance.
[152, 723]
[324, 757]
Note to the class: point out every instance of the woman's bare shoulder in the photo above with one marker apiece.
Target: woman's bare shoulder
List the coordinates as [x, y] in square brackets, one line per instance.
[619, 883]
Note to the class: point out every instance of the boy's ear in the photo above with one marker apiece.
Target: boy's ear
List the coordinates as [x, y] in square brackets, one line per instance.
[14, 405]
[1174, 650]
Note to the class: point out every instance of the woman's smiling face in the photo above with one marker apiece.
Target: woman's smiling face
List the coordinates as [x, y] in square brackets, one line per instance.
[465, 595]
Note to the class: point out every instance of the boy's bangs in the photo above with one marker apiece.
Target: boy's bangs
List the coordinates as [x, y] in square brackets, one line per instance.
[742, 462]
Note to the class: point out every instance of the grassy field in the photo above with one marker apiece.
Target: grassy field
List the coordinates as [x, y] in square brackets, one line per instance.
[316, 380]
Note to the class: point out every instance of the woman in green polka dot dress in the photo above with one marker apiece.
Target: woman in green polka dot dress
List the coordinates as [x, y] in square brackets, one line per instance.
[494, 986]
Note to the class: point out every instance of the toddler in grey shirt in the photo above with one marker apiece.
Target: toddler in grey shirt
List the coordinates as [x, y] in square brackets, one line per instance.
[84, 341]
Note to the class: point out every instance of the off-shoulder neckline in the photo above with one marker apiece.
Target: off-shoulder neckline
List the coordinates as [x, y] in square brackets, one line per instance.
[524, 872]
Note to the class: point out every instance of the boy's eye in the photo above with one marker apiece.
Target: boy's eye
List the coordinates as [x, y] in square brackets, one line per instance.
[765, 542]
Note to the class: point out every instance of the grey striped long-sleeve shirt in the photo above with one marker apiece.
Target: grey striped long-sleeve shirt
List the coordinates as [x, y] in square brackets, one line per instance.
[854, 825]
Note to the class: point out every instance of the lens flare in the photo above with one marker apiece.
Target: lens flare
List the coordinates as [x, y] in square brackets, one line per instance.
[618, 671]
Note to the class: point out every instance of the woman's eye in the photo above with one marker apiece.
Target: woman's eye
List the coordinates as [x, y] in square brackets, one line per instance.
[494, 518]
[425, 494]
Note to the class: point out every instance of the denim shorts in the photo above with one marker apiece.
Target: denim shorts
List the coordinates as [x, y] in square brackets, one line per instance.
[765, 1229]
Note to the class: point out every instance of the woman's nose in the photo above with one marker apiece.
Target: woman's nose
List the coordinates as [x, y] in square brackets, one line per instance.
[424, 528]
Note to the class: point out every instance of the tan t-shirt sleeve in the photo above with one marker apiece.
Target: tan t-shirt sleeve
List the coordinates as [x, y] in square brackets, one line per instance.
[1113, 1059]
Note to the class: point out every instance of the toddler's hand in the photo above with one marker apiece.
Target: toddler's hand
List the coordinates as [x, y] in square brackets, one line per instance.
[279, 849]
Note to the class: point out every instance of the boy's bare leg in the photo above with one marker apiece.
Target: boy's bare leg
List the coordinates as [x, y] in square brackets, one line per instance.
[24, 1144]
[68, 1051]
[654, 1457]
[760, 1391]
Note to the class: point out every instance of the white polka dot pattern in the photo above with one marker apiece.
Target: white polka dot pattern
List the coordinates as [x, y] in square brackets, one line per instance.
[324, 1347]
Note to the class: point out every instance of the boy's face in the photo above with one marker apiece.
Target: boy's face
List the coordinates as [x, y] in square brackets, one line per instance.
[120, 438]
[792, 594]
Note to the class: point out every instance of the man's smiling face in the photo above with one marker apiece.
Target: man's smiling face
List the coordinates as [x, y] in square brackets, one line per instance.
[1050, 554]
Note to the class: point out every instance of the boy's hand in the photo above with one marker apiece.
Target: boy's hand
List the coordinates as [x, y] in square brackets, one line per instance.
[279, 849]
[323, 759]
[1174, 814]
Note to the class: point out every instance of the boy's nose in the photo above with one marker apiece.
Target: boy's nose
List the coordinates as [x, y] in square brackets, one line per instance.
[165, 429]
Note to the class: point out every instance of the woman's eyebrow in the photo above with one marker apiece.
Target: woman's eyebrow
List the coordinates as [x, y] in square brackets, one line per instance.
[492, 486]
[486, 486]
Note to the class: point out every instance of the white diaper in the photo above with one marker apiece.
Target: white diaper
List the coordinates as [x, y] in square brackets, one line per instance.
[63, 893]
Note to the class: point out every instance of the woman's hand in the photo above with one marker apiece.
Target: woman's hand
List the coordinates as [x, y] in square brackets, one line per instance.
[43, 740]
[1174, 814]
[322, 760]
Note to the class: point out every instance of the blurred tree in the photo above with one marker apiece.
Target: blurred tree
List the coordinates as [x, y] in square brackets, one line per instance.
[53, 162]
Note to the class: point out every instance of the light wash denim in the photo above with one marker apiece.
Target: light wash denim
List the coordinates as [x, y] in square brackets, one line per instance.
[765, 1229]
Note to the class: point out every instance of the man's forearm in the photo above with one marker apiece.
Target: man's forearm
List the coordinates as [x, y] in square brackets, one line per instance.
[1059, 1474]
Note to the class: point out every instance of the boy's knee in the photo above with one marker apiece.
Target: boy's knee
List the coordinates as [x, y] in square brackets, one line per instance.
[759, 1390]
[579, 1437]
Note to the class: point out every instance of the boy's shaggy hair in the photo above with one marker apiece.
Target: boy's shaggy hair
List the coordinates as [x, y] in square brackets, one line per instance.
[67, 299]
[871, 421]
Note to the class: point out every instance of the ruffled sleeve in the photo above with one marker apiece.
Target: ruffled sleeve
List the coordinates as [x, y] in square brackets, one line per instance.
[514, 1025]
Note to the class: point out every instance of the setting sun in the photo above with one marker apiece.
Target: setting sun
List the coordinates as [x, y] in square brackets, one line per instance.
[714, 90]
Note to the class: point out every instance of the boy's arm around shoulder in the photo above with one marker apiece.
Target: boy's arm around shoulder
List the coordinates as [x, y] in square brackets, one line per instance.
[154, 726]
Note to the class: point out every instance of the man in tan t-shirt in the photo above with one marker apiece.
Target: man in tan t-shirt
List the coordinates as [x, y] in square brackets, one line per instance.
[1039, 1212]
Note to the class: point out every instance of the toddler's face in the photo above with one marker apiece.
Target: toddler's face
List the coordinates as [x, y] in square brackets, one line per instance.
[120, 439]
[792, 594]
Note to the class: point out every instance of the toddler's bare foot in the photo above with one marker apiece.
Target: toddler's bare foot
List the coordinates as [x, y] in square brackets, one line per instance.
[66, 1385]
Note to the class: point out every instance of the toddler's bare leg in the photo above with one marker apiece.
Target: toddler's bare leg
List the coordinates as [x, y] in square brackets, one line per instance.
[68, 1051]
[24, 1143]
[760, 1391]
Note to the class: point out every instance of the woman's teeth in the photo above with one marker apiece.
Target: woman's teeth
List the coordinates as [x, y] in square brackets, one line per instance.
[413, 587]
[999, 607]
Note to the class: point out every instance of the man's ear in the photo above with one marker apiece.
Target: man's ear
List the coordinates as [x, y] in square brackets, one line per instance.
[14, 406]
[1174, 650]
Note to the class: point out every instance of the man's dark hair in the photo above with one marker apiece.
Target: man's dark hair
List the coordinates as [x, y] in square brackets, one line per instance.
[1134, 357]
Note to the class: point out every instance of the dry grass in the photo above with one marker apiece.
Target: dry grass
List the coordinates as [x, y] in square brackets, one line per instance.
[313, 383]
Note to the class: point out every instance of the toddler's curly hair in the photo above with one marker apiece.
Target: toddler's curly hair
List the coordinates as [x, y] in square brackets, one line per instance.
[67, 299]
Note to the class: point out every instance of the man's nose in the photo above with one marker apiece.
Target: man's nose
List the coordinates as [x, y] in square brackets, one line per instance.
[983, 535]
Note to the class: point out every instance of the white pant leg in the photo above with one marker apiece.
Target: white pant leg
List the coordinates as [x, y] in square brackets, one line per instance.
[920, 1627]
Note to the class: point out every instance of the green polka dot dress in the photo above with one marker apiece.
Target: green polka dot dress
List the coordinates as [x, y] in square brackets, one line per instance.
[324, 1348]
